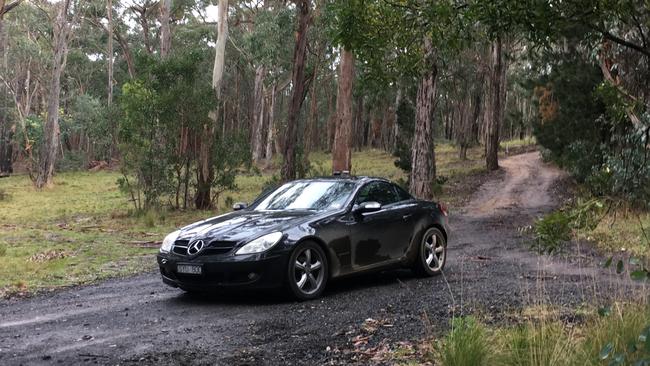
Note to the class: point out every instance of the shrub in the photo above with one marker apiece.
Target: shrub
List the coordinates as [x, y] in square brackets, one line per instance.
[71, 161]
[552, 231]
[163, 136]
[466, 344]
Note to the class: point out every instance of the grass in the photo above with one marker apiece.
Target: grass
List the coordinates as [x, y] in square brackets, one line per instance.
[622, 230]
[618, 336]
[83, 230]
[466, 344]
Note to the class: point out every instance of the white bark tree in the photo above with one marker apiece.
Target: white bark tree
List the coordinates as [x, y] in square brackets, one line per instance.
[48, 154]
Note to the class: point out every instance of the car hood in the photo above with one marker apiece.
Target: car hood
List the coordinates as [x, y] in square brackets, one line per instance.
[243, 225]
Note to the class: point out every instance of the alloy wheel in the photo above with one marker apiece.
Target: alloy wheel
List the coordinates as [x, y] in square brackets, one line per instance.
[434, 251]
[308, 271]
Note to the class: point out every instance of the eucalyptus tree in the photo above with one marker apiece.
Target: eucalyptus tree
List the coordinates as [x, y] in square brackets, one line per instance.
[205, 171]
[6, 131]
[24, 83]
[349, 18]
[67, 15]
[266, 49]
[298, 81]
[405, 41]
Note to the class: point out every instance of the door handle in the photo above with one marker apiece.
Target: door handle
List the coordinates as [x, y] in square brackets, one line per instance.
[407, 216]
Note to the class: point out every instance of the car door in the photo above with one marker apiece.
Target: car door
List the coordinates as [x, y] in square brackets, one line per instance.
[407, 209]
[378, 237]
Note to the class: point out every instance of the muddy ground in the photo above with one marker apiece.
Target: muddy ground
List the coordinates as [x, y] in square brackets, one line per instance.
[491, 271]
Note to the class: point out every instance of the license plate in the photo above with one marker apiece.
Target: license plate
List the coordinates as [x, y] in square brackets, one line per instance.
[188, 269]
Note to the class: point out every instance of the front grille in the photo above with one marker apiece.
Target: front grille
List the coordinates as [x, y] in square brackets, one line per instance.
[214, 247]
[219, 247]
[180, 247]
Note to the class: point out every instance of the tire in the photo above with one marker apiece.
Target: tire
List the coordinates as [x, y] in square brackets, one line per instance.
[432, 253]
[307, 271]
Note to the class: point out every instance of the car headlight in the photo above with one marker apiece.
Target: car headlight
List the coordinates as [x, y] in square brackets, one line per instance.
[169, 241]
[261, 244]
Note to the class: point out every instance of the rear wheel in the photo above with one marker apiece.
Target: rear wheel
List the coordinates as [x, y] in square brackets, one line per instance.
[432, 253]
[308, 271]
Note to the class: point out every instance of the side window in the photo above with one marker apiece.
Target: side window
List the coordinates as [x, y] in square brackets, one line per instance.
[377, 191]
[402, 194]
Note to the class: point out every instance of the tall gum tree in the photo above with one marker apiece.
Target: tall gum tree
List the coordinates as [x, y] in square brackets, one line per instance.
[496, 104]
[423, 159]
[398, 45]
[6, 132]
[51, 130]
[297, 96]
[342, 149]
[205, 172]
[165, 29]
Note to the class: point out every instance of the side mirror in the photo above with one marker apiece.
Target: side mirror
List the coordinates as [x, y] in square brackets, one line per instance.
[370, 206]
[239, 206]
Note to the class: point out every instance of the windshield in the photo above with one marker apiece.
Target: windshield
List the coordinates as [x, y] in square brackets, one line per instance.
[308, 195]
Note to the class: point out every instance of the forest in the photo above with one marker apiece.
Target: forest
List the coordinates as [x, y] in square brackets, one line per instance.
[182, 96]
[121, 120]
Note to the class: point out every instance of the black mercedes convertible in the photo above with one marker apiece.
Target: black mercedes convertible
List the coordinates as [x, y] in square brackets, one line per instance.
[305, 233]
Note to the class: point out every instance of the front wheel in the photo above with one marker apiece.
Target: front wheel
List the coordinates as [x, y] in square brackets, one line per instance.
[308, 271]
[432, 253]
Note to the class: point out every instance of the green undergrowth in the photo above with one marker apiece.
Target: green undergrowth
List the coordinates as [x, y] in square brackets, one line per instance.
[613, 336]
[612, 227]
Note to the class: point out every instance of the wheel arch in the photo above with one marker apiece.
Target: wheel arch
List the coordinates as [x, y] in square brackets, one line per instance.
[321, 243]
[442, 230]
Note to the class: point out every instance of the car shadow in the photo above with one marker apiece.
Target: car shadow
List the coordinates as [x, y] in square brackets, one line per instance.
[360, 282]
[335, 288]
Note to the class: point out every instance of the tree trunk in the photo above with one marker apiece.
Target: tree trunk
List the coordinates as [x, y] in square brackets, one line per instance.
[330, 122]
[342, 150]
[270, 136]
[495, 107]
[5, 134]
[109, 52]
[396, 132]
[311, 133]
[165, 31]
[298, 95]
[257, 144]
[109, 66]
[423, 163]
[51, 131]
[205, 171]
[6, 131]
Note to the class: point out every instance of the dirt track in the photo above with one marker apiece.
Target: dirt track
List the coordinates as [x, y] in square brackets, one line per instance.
[139, 320]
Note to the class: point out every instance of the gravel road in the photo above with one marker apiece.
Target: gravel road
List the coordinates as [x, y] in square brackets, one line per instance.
[490, 271]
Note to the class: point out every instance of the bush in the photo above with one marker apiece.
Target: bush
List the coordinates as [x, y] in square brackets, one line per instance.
[163, 136]
[552, 231]
[556, 228]
[466, 344]
[72, 161]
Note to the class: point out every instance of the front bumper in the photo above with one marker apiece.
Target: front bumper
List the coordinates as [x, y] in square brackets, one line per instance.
[222, 272]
